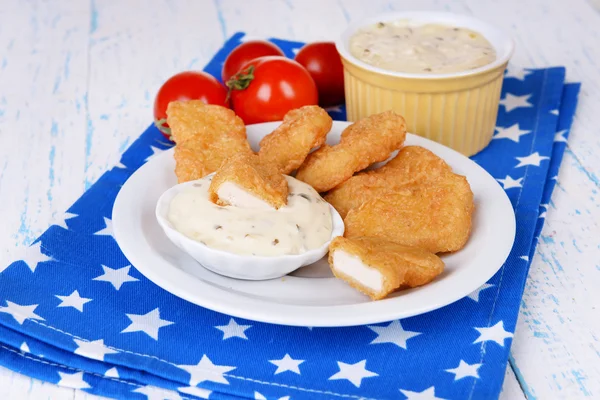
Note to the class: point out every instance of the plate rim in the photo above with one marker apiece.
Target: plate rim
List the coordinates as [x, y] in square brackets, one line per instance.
[250, 308]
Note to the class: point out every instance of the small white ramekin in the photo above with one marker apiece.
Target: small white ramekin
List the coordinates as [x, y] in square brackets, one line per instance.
[458, 109]
[236, 265]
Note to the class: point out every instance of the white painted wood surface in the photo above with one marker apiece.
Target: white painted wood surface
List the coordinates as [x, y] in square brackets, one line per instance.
[77, 82]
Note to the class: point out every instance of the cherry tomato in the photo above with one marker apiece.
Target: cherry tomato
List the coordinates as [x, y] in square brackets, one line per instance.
[268, 87]
[245, 52]
[323, 62]
[190, 85]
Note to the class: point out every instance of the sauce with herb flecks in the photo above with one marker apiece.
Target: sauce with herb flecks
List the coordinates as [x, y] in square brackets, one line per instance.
[401, 46]
[303, 224]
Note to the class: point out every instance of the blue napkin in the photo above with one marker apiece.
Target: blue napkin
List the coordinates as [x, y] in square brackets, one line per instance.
[73, 311]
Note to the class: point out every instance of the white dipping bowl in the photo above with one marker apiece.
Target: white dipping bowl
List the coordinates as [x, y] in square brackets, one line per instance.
[235, 265]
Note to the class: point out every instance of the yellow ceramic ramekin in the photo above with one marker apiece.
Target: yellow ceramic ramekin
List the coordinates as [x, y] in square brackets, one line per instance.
[458, 110]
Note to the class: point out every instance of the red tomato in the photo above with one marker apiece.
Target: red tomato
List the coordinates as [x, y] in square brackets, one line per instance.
[323, 62]
[190, 85]
[268, 87]
[245, 52]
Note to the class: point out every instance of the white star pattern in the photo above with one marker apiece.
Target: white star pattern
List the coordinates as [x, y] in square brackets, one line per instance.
[287, 363]
[62, 222]
[427, 394]
[517, 73]
[73, 300]
[94, 349]
[526, 258]
[20, 313]
[25, 348]
[495, 333]
[560, 136]
[554, 112]
[354, 373]
[206, 371]
[116, 277]
[295, 51]
[392, 333]
[543, 213]
[74, 381]
[475, 295]
[513, 132]
[148, 323]
[509, 183]
[33, 256]
[107, 230]
[232, 329]
[510, 102]
[155, 151]
[112, 373]
[156, 393]
[464, 370]
[260, 396]
[195, 391]
[532, 159]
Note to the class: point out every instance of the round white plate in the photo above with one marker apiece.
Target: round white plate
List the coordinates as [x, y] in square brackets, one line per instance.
[310, 296]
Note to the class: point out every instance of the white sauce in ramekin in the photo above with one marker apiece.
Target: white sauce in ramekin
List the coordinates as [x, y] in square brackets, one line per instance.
[305, 223]
[429, 48]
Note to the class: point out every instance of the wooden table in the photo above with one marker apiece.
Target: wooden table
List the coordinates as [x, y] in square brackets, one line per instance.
[78, 80]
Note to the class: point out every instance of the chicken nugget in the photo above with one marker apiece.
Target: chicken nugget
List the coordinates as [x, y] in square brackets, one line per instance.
[206, 135]
[363, 143]
[302, 130]
[194, 117]
[243, 181]
[378, 267]
[412, 166]
[435, 217]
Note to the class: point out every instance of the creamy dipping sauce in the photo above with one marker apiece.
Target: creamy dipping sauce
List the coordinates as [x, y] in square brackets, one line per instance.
[253, 227]
[430, 48]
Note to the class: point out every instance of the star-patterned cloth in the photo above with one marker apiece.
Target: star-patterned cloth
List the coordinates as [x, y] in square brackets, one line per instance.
[75, 312]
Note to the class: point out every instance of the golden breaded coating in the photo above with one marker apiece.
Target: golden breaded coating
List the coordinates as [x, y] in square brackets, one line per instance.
[206, 135]
[260, 180]
[194, 117]
[363, 143]
[196, 157]
[398, 266]
[412, 166]
[435, 217]
[302, 130]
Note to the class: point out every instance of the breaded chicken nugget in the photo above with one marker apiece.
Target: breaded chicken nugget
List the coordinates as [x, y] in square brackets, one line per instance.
[378, 267]
[412, 166]
[243, 181]
[302, 130]
[206, 135]
[363, 143]
[435, 217]
[194, 117]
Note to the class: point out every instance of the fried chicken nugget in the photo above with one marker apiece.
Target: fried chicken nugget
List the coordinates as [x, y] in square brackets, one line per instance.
[194, 117]
[363, 143]
[412, 166]
[206, 135]
[302, 130]
[243, 181]
[378, 267]
[435, 217]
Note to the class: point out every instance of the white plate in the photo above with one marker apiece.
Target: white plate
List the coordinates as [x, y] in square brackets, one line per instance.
[311, 296]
